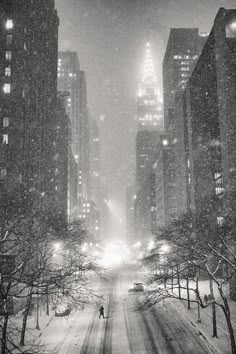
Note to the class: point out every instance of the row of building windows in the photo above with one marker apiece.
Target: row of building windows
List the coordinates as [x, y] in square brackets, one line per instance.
[185, 57]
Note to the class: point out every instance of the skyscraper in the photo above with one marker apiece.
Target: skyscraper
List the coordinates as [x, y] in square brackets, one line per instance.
[183, 49]
[69, 82]
[28, 95]
[182, 52]
[150, 126]
[72, 81]
[211, 110]
[84, 139]
[95, 162]
[149, 106]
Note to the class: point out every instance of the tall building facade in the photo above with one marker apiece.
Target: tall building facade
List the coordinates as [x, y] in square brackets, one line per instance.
[149, 105]
[84, 142]
[183, 49]
[146, 145]
[64, 161]
[95, 177]
[69, 82]
[182, 52]
[150, 126]
[72, 81]
[130, 224]
[211, 111]
[28, 95]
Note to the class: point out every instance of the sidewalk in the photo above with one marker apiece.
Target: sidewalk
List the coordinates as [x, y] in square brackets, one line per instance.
[221, 344]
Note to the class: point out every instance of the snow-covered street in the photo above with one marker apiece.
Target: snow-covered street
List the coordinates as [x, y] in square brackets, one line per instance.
[122, 331]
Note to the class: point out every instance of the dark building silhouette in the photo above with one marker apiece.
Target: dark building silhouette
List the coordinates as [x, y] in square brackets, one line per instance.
[65, 165]
[211, 112]
[165, 182]
[73, 81]
[150, 126]
[69, 81]
[182, 52]
[130, 224]
[28, 95]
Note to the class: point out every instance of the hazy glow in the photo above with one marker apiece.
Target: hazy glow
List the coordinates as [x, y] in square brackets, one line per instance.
[114, 254]
[233, 25]
[151, 245]
[165, 248]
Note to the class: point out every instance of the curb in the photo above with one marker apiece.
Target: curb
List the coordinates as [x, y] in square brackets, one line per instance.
[200, 333]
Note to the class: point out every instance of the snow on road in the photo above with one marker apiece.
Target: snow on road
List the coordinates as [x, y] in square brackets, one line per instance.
[160, 330]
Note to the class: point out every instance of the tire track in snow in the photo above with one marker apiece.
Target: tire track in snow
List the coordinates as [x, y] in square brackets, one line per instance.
[129, 329]
[106, 345]
[179, 330]
[158, 338]
[90, 337]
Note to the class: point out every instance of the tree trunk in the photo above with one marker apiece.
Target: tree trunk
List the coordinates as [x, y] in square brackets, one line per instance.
[178, 280]
[213, 305]
[47, 301]
[228, 320]
[25, 317]
[172, 279]
[4, 335]
[188, 297]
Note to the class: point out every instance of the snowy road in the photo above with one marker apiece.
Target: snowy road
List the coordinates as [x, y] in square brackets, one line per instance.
[124, 331]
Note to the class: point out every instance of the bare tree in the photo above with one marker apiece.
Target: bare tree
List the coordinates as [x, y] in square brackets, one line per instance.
[198, 246]
[39, 269]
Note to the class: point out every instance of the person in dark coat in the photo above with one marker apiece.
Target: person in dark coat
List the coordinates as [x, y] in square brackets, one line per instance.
[206, 299]
[101, 311]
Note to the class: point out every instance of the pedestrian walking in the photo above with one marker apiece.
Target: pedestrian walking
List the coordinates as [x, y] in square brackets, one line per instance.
[101, 311]
[206, 299]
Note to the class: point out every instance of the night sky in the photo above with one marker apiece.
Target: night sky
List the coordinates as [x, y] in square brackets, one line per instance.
[110, 37]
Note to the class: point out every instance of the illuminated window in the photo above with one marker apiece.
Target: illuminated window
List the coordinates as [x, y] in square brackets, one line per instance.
[5, 138]
[165, 142]
[9, 24]
[9, 39]
[178, 57]
[5, 122]
[8, 71]
[3, 173]
[8, 55]
[220, 220]
[218, 184]
[231, 29]
[7, 88]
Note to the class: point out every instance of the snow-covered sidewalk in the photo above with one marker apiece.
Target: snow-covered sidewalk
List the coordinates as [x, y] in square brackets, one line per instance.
[221, 344]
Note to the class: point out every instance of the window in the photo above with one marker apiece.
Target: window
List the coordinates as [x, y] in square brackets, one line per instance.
[9, 24]
[218, 184]
[3, 173]
[5, 122]
[5, 138]
[7, 88]
[8, 55]
[9, 39]
[8, 71]
[220, 220]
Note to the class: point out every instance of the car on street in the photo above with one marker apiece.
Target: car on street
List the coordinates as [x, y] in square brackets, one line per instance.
[137, 286]
[62, 310]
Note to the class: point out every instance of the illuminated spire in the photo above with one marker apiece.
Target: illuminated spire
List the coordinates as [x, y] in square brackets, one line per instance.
[149, 75]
